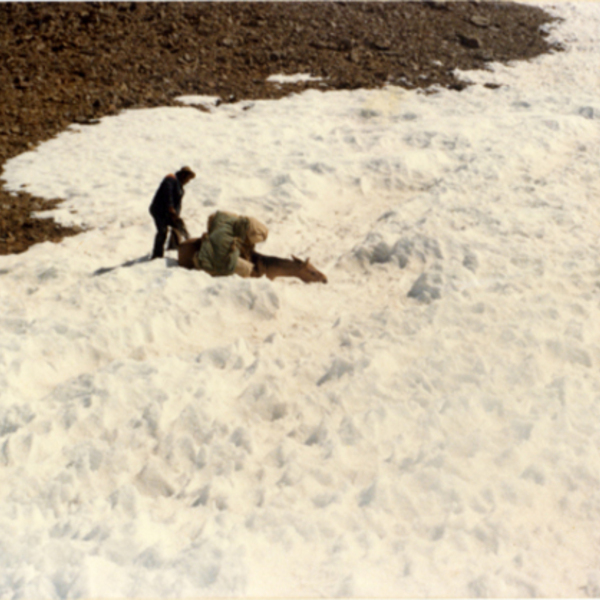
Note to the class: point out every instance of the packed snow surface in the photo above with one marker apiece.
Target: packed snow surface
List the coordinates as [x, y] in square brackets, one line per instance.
[427, 424]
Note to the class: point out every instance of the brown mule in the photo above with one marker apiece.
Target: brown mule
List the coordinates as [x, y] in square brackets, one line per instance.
[186, 252]
[271, 266]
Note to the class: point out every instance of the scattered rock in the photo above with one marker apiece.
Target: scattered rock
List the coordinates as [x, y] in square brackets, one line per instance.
[382, 44]
[469, 41]
[480, 21]
[355, 55]
[227, 42]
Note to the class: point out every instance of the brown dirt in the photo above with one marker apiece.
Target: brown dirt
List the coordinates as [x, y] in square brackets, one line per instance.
[77, 62]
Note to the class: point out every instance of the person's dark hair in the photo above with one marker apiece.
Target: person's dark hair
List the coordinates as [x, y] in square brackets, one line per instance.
[185, 174]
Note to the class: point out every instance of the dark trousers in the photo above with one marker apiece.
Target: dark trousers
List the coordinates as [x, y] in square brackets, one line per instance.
[163, 224]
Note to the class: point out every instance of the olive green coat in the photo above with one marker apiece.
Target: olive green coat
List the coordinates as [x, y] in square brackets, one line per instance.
[227, 234]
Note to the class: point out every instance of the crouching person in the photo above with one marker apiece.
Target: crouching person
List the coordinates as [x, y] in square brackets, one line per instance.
[226, 248]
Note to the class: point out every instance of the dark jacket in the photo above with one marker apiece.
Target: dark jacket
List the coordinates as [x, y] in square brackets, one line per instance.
[167, 198]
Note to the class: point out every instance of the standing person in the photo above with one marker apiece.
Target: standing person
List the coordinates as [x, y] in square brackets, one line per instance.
[165, 210]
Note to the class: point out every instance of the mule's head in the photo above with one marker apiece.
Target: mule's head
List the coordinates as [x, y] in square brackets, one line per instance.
[307, 271]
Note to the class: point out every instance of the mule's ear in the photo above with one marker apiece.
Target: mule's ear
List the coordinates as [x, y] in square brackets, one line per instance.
[296, 259]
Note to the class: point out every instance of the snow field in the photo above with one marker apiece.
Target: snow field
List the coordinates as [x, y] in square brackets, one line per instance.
[423, 425]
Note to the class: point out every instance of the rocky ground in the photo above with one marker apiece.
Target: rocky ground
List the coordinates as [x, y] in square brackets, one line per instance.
[76, 62]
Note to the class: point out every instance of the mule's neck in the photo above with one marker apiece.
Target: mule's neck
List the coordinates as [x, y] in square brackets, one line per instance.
[274, 266]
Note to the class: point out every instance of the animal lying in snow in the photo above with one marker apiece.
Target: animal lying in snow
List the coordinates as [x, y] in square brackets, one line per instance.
[228, 247]
[273, 266]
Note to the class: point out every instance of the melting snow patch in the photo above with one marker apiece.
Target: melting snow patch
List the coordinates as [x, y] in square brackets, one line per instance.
[297, 78]
[208, 101]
